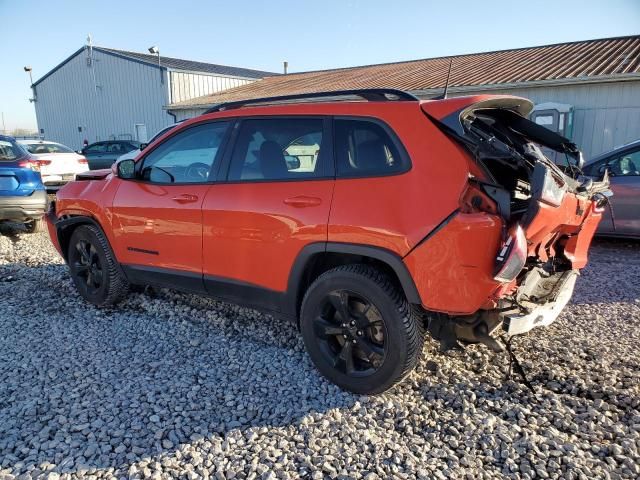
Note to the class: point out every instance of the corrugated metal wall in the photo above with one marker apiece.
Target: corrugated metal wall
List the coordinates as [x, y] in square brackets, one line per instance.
[186, 85]
[606, 115]
[106, 100]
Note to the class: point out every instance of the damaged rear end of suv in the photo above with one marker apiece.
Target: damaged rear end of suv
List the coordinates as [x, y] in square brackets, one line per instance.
[543, 215]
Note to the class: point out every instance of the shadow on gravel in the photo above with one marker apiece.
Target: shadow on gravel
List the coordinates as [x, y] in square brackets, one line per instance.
[84, 388]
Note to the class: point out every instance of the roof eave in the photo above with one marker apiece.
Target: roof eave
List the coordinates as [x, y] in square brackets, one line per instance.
[427, 92]
[626, 77]
[181, 70]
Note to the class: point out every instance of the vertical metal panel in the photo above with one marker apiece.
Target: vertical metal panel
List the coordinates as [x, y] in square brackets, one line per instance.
[106, 99]
[187, 85]
[606, 115]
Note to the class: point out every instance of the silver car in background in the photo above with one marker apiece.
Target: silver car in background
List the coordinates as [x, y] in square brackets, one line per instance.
[623, 165]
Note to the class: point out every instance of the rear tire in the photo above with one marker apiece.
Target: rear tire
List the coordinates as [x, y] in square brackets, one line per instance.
[359, 329]
[94, 269]
[36, 225]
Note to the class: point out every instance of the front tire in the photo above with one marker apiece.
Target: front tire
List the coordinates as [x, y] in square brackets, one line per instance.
[94, 269]
[359, 329]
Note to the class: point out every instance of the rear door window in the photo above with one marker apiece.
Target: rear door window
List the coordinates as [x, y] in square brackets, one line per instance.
[96, 148]
[366, 148]
[278, 149]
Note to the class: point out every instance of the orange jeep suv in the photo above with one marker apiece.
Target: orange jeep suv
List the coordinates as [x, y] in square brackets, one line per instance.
[366, 217]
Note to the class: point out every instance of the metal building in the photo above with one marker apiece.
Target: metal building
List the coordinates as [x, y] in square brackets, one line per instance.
[100, 93]
[590, 90]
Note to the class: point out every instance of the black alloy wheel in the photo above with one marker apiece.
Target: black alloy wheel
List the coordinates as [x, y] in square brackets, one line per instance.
[94, 268]
[351, 333]
[88, 267]
[359, 329]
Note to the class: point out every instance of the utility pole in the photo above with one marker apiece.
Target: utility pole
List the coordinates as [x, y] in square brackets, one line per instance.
[4, 127]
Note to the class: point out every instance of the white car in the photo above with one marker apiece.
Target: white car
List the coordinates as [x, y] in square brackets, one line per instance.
[58, 163]
[134, 153]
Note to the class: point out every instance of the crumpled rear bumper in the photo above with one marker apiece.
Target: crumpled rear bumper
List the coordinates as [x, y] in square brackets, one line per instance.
[519, 321]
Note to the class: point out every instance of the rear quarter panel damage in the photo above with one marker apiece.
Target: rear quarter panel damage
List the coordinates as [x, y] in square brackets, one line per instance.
[453, 270]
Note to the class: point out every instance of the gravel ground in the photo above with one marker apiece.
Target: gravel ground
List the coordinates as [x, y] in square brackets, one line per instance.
[171, 385]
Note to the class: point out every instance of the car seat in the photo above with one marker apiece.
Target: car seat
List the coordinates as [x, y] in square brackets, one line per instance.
[272, 162]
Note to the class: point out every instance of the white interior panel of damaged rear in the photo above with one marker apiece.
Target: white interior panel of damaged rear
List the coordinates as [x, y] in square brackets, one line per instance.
[545, 314]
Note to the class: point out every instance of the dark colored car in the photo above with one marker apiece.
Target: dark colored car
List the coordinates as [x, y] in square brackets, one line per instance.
[23, 197]
[103, 154]
[364, 222]
[623, 166]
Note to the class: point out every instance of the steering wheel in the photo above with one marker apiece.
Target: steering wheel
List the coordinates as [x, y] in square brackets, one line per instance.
[198, 171]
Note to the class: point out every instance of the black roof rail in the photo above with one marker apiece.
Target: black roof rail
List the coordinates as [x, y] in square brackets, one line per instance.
[369, 94]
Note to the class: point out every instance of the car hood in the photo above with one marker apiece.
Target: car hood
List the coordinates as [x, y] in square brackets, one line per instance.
[94, 174]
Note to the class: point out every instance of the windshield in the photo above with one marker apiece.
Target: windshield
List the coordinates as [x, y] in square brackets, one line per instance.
[37, 148]
[10, 150]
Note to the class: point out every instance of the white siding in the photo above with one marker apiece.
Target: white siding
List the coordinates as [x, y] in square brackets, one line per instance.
[186, 114]
[186, 85]
[606, 115]
[106, 100]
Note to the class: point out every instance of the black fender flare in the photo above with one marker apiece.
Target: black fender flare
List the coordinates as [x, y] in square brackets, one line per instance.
[391, 259]
[63, 230]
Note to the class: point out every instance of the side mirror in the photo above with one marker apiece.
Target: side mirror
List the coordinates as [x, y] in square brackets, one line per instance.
[80, 152]
[143, 146]
[126, 169]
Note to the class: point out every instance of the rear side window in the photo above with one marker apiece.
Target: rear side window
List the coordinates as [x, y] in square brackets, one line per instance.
[96, 148]
[278, 149]
[365, 148]
[10, 151]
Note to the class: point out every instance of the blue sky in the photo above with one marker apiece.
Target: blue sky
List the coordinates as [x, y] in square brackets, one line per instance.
[309, 35]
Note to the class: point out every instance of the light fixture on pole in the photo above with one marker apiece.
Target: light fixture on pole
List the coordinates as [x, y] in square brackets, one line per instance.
[28, 69]
[154, 50]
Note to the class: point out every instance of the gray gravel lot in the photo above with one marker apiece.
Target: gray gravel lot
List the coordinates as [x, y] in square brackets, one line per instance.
[171, 385]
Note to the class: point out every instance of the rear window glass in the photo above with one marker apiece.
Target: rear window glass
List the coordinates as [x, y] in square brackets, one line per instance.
[365, 148]
[10, 151]
[37, 148]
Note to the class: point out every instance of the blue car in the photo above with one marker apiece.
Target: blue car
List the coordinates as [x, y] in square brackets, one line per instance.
[23, 197]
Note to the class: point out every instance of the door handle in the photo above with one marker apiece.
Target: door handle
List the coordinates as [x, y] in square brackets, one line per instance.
[185, 198]
[303, 201]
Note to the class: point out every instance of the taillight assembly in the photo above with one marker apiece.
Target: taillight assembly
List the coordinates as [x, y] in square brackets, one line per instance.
[83, 161]
[42, 163]
[512, 255]
[475, 200]
[30, 164]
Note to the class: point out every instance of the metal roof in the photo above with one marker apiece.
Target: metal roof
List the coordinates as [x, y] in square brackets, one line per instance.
[167, 62]
[189, 65]
[575, 61]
